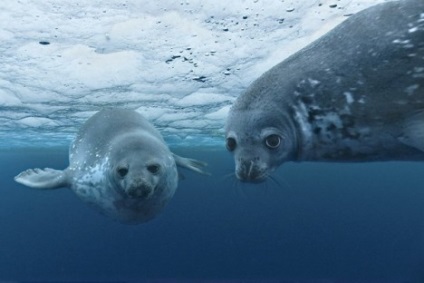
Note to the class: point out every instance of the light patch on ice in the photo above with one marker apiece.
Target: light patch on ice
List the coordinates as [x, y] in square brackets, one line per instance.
[100, 70]
[202, 99]
[35, 122]
[195, 123]
[173, 117]
[152, 113]
[8, 99]
[221, 114]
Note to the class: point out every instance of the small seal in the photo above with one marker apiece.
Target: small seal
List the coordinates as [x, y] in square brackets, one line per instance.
[120, 164]
[354, 95]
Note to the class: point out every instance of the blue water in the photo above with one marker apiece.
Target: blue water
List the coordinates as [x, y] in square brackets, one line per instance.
[342, 222]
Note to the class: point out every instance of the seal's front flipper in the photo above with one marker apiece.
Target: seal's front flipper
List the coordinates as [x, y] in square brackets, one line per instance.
[413, 133]
[192, 164]
[43, 178]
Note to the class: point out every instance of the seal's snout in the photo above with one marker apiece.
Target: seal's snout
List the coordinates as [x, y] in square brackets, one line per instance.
[140, 189]
[251, 170]
[141, 192]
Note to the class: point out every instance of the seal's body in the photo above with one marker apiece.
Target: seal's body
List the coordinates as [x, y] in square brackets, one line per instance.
[355, 94]
[118, 163]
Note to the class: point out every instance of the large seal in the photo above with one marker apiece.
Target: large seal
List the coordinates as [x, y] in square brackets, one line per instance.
[355, 94]
[120, 164]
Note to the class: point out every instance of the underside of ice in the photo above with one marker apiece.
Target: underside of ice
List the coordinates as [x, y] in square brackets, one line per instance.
[180, 63]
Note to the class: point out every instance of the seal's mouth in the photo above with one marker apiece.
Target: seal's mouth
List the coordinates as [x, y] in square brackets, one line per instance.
[143, 191]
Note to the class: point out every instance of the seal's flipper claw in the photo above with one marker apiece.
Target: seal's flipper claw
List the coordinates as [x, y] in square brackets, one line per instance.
[46, 178]
[413, 133]
[192, 164]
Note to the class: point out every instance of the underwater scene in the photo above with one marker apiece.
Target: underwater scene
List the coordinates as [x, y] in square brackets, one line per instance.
[323, 223]
[212, 141]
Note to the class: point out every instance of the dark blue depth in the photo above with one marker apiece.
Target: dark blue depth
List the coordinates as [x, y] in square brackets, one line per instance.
[324, 222]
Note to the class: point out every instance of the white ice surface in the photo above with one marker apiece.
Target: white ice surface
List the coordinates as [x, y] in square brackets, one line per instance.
[180, 63]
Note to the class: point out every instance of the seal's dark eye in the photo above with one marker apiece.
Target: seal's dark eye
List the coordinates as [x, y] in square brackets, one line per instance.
[273, 141]
[154, 168]
[231, 144]
[122, 171]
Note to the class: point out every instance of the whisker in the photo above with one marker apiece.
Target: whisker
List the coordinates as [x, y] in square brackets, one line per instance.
[239, 188]
[245, 190]
[275, 181]
[234, 183]
[229, 175]
[281, 182]
[287, 184]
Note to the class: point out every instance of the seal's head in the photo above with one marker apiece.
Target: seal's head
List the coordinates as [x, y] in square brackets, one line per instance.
[143, 173]
[142, 169]
[136, 178]
[260, 141]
